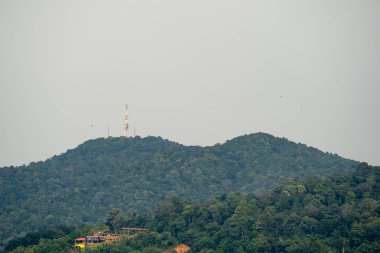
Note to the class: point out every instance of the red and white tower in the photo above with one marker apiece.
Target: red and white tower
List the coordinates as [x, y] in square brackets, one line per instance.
[126, 124]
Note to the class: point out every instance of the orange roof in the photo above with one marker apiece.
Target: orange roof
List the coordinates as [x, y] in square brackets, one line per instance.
[80, 239]
[182, 248]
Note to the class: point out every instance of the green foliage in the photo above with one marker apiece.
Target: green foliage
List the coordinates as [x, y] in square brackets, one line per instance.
[134, 174]
[54, 240]
[315, 215]
[318, 216]
[33, 238]
[115, 219]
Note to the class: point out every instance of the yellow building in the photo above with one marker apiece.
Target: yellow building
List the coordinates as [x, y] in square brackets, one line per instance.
[80, 243]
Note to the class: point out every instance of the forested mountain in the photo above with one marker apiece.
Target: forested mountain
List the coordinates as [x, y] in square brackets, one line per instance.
[133, 174]
[311, 216]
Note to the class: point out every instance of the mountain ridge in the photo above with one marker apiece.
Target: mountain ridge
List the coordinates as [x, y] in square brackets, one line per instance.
[134, 174]
[150, 137]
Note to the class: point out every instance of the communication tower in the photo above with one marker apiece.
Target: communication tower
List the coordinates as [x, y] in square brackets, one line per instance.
[126, 124]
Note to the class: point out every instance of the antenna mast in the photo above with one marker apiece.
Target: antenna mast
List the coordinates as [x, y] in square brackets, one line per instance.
[126, 125]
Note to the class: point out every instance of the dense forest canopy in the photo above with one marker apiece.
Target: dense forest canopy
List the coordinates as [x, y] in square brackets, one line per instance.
[314, 215]
[134, 174]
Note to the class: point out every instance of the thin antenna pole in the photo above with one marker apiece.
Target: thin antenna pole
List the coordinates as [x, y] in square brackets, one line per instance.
[134, 132]
[108, 131]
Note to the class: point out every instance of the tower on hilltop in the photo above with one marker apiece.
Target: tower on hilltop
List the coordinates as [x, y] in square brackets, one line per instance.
[126, 124]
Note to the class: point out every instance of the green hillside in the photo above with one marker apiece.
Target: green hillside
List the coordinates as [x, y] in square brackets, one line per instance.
[310, 216]
[134, 174]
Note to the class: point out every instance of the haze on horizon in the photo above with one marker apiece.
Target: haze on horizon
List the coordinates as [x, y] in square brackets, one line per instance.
[195, 72]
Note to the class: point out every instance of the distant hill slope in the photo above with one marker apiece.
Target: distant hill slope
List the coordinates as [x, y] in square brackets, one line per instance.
[134, 174]
[339, 213]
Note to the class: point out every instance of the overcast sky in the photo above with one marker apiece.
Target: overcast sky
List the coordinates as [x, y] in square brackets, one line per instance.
[197, 72]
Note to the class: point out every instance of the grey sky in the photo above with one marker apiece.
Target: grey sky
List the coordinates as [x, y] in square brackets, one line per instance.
[197, 72]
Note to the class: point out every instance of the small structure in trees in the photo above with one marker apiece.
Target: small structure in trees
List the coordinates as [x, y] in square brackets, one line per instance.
[182, 248]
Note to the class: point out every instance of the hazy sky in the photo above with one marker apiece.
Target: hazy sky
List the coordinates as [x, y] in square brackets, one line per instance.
[197, 72]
